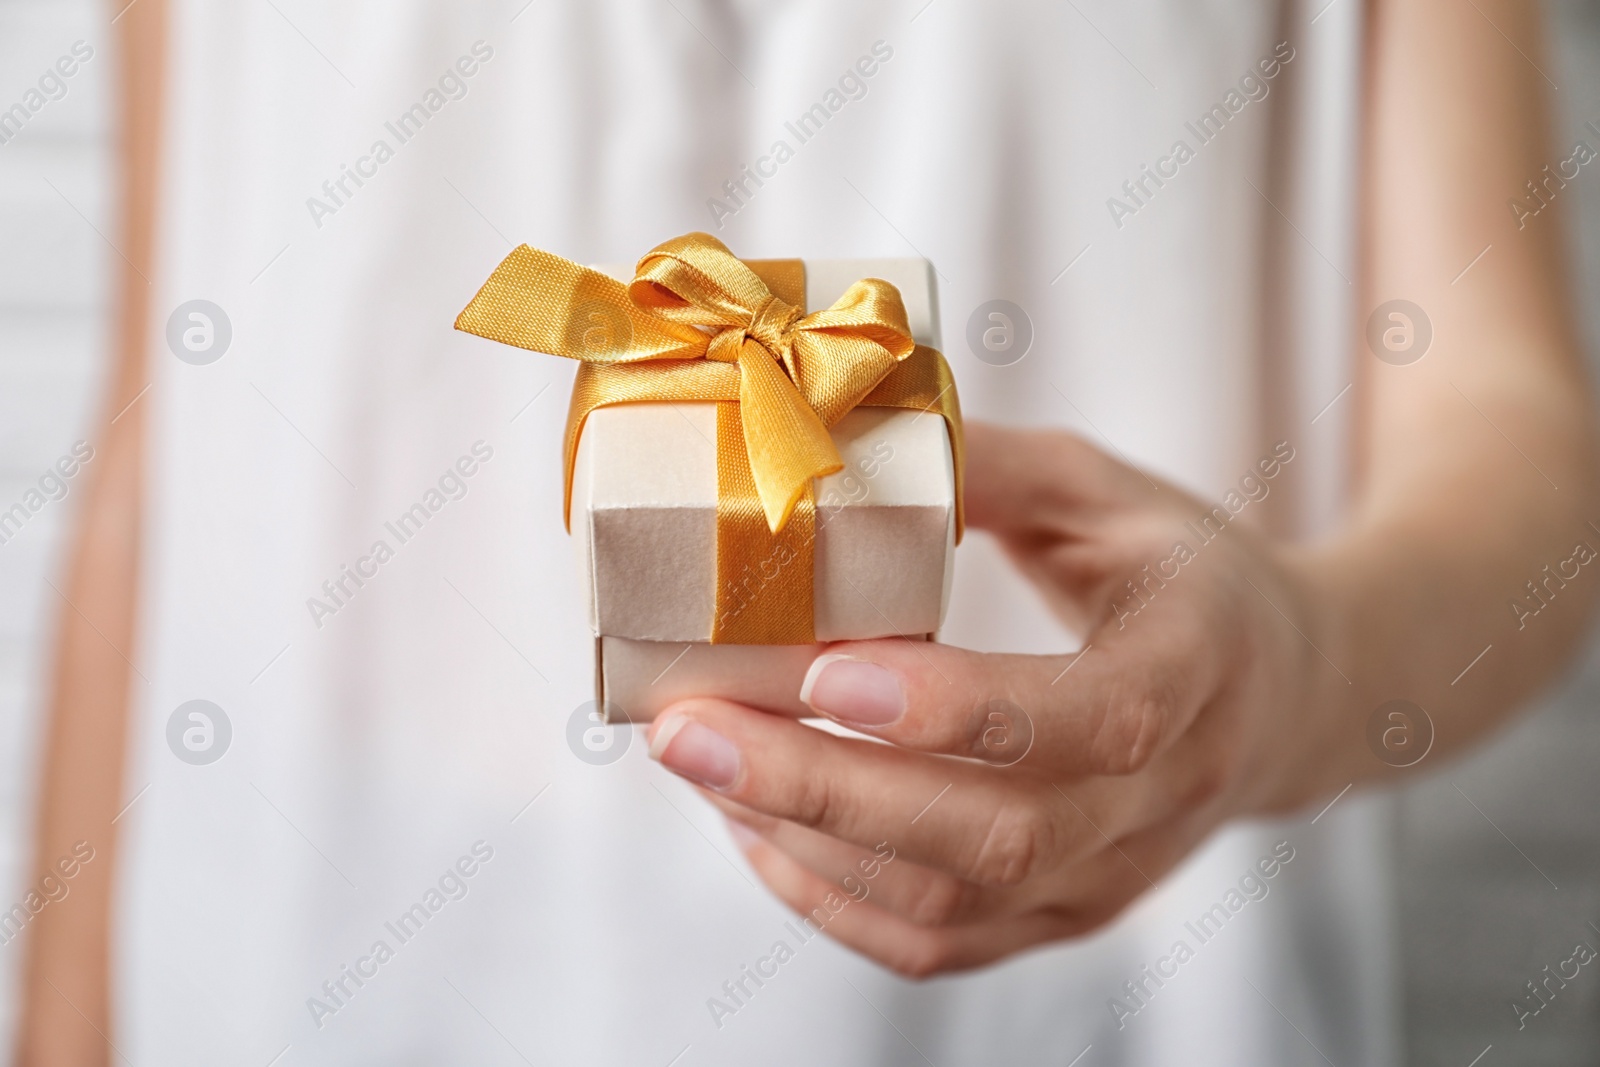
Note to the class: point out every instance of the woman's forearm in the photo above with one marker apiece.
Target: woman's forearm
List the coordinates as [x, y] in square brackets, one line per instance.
[1477, 460]
[66, 997]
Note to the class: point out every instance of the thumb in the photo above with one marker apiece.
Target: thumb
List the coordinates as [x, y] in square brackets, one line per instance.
[1107, 710]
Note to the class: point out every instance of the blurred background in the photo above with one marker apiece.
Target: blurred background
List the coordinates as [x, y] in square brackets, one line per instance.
[1491, 888]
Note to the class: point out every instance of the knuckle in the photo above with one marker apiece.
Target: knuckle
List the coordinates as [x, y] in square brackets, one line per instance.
[937, 901]
[1131, 728]
[1017, 837]
[814, 804]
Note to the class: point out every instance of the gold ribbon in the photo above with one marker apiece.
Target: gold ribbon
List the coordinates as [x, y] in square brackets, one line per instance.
[698, 324]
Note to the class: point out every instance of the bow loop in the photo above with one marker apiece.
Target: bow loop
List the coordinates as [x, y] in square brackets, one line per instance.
[691, 299]
[696, 279]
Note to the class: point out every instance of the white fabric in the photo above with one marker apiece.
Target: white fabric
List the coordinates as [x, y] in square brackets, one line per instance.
[371, 752]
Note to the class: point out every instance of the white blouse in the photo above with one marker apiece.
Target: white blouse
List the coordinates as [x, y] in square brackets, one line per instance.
[400, 856]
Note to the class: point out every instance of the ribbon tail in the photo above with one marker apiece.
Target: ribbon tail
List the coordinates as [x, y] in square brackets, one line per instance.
[764, 579]
[545, 303]
[787, 443]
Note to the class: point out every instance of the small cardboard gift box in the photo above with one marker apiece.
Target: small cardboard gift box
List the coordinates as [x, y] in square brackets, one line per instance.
[746, 481]
[644, 513]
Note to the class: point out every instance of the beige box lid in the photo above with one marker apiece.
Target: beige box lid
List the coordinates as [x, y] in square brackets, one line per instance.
[645, 496]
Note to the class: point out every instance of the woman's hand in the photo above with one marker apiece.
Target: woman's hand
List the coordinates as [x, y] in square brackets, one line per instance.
[1244, 681]
[1026, 799]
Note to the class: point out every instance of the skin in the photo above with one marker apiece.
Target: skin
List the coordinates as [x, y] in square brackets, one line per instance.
[1245, 686]
[1242, 689]
[66, 999]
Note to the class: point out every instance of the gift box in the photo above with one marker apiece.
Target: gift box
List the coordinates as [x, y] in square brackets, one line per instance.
[746, 481]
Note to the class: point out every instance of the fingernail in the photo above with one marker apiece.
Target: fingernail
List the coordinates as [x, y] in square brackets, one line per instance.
[742, 835]
[696, 752]
[853, 691]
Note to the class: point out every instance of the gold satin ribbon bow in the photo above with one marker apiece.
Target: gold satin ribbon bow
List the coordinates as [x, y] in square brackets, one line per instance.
[698, 324]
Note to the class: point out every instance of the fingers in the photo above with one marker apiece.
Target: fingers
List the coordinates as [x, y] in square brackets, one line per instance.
[1107, 711]
[918, 894]
[904, 947]
[1023, 480]
[986, 825]
[1105, 879]
[1093, 890]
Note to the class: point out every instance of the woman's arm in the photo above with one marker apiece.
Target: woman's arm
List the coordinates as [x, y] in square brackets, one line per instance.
[1479, 460]
[66, 1005]
[1244, 681]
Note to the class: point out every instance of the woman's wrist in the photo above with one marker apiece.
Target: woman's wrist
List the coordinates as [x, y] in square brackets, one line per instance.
[1328, 709]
